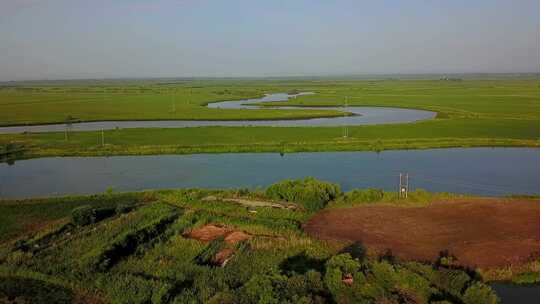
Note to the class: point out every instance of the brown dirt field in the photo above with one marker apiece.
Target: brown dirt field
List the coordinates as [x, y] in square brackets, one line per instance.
[210, 232]
[479, 232]
[236, 236]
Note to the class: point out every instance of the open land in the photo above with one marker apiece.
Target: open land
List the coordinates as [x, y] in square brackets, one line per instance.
[470, 112]
[479, 232]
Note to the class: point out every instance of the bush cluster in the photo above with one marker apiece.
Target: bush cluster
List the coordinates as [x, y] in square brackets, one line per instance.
[359, 196]
[83, 215]
[312, 194]
[28, 290]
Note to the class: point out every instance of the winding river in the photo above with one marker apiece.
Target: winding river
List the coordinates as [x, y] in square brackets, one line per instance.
[361, 116]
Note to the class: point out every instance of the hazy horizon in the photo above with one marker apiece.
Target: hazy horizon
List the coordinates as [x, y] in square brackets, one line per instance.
[61, 39]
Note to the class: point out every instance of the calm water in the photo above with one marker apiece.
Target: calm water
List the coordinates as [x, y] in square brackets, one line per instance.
[516, 294]
[481, 171]
[363, 116]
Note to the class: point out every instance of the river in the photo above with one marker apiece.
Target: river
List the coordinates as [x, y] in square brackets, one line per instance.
[479, 171]
[361, 116]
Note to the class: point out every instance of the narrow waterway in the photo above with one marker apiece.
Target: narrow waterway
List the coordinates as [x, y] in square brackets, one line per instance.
[361, 116]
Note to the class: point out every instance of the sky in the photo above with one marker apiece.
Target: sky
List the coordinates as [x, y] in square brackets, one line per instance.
[70, 39]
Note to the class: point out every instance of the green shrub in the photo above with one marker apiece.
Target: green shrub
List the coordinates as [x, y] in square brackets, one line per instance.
[480, 293]
[452, 281]
[336, 268]
[310, 193]
[205, 257]
[261, 289]
[123, 208]
[528, 278]
[83, 215]
[360, 196]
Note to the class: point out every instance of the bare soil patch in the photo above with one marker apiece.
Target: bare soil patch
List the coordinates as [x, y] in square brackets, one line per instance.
[222, 257]
[212, 231]
[479, 232]
[253, 202]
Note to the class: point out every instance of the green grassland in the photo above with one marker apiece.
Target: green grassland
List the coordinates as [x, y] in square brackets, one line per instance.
[471, 112]
[428, 134]
[43, 105]
[134, 249]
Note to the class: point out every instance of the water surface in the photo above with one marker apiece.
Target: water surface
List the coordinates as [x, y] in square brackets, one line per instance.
[480, 171]
[517, 294]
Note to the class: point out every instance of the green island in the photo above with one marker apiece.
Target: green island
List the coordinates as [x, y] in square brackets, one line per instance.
[471, 112]
[232, 246]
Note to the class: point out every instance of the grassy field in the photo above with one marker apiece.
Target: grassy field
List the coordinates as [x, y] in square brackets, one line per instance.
[35, 105]
[169, 246]
[499, 112]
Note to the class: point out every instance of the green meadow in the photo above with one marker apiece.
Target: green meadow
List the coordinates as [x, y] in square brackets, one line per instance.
[470, 112]
[42, 104]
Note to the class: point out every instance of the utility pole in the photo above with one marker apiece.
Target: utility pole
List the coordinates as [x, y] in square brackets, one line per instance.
[403, 185]
[345, 128]
[174, 102]
[102, 137]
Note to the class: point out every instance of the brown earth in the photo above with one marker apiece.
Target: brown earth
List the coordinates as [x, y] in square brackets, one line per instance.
[222, 257]
[479, 232]
[211, 231]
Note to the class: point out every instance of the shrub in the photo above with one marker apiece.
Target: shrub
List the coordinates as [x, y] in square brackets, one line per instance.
[528, 278]
[480, 293]
[205, 257]
[261, 289]
[357, 250]
[83, 215]
[310, 193]
[33, 291]
[123, 208]
[364, 195]
[338, 267]
[452, 281]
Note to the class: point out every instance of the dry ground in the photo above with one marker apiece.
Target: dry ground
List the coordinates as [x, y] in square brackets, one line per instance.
[210, 232]
[479, 232]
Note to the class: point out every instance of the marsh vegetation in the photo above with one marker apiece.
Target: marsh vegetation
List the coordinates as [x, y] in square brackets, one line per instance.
[205, 246]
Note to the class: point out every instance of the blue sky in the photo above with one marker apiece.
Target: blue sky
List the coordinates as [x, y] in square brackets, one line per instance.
[59, 39]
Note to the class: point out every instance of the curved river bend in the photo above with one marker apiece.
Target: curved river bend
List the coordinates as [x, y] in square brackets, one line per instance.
[362, 116]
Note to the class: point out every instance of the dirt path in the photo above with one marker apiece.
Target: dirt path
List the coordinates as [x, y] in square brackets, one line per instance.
[480, 232]
[254, 203]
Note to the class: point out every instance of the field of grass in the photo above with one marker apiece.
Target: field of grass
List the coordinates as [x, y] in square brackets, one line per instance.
[36, 105]
[421, 135]
[472, 112]
[139, 248]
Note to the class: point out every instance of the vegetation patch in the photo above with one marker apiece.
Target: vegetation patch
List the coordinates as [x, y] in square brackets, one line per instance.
[125, 244]
[471, 113]
[178, 247]
[310, 193]
[15, 289]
